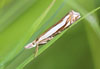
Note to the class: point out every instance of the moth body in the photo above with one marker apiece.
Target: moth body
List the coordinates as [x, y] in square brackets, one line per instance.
[65, 22]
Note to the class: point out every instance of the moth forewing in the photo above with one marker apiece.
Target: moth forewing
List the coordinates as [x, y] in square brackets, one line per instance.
[65, 22]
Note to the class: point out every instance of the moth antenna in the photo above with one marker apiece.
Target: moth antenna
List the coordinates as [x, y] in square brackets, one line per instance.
[36, 51]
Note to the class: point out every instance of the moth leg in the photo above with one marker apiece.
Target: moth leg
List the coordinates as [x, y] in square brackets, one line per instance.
[50, 38]
[42, 42]
[59, 32]
[45, 40]
[36, 50]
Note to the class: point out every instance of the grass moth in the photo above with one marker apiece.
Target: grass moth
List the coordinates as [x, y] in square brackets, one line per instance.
[57, 28]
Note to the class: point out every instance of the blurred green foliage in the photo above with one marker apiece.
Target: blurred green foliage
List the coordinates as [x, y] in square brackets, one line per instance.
[21, 21]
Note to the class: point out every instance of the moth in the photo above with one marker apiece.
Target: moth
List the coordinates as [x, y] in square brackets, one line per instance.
[57, 28]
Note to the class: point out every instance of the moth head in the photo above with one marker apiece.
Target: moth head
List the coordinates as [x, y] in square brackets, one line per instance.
[30, 45]
[74, 16]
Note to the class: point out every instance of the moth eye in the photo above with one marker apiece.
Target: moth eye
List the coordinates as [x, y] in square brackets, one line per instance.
[33, 43]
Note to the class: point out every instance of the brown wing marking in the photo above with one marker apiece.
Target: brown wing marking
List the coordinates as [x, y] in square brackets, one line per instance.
[52, 26]
[62, 28]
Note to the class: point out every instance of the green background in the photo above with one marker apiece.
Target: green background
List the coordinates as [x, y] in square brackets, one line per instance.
[21, 21]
